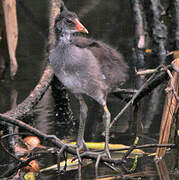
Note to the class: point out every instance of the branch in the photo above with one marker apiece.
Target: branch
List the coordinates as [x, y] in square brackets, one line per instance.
[158, 30]
[54, 140]
[58, 143]
[29, 103]
[146, 146]
[20, 165]
[139, 33]
[147, 71]
[146, 88]
[161, 68]
[174, 6]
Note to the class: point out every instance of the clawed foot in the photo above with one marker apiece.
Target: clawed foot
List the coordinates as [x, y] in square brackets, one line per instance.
[59, 153]
[106, 151]
[80, 146]
[100, 155]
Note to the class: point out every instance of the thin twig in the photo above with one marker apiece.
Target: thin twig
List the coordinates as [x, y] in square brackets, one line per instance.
[130, 149]
[125, 91]
[111, 167]
[54, 140]
[158, 69]
[146, 146]
[21, 164]
[147, 71]
[7, 151]
[132, 100]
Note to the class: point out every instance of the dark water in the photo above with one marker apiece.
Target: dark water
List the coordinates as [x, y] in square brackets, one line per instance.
[109, 21]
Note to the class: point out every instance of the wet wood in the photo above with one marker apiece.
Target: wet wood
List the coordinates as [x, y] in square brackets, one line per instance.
[137, 118]
[29, 103]
[54, 140]
[177, 138]
[174, 6]
[157, 29]
[53, 11]
[162, 170]
[147, 174]
[139, 33]
[71, 165]
[149, 85]
[4, 58]
[9, 8]
[170, 108]
[34, 97]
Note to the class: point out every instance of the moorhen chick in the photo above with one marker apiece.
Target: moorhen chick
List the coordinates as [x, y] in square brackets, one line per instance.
[86, 66]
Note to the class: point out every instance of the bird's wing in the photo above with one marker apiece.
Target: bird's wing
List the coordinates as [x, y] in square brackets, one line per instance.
[96, 47]
[110, 61]
[83, 42]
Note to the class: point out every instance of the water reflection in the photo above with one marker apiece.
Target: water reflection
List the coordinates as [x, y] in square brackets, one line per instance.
[43, 119]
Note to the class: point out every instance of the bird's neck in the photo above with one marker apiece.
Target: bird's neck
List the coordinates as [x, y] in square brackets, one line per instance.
[64, 38]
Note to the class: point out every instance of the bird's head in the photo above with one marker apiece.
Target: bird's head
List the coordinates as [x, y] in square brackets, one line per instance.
[67, 22]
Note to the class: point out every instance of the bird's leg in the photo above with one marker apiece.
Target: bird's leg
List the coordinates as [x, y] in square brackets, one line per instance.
[83, 115]
[107, 119]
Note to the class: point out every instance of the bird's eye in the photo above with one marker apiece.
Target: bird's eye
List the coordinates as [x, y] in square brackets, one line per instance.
[69, 21]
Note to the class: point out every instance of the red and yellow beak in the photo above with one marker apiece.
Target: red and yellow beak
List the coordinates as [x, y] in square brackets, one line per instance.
[80, 27]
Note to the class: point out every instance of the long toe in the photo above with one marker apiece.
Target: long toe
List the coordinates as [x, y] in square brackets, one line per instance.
[78, 155]
[100, 155]
[85, 146]
[107, 152]
[81, 146]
